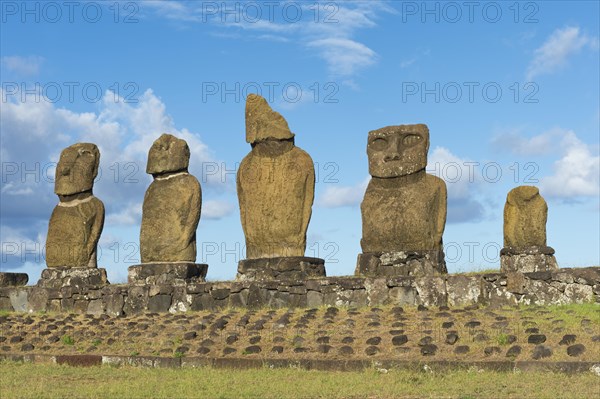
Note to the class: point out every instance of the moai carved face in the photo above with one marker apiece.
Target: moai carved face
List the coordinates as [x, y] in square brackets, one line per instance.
[262, 123]
[168, 154]
[398, 150]
[77, 168]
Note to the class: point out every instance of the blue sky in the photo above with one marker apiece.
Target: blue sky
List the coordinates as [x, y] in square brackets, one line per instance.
[509, 90]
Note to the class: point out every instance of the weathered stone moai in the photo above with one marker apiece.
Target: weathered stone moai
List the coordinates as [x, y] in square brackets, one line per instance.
[275, 186]
[404, 208]
[170, 216]
[76, 222]
[525, 249]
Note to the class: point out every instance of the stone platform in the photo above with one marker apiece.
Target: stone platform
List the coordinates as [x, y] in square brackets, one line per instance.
[175, 273]
[402, 263]
[79, 277]
[577, 285]
[13, 279]
[282, 268]
[527, 260]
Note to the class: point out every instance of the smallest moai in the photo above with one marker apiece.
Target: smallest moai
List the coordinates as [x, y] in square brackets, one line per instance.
[170, 216]
[525, 249]
[76, 222]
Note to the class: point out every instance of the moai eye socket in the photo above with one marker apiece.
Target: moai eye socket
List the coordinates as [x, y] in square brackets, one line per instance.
[378, 144]
[411, 139]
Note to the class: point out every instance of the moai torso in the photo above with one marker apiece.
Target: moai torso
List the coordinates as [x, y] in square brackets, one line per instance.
[275, 184]
[525, 215]
[73, 233]
[172, 204]
[404, 209]
[409, 217]
[276, 194]
[77, 221]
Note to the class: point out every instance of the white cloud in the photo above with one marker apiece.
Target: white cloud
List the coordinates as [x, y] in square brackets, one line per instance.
[339, 196]
[344, 57]
[453, 170]
[34, 133]
[556, 51]
[25, 66]
[215, 209]
[576, 173]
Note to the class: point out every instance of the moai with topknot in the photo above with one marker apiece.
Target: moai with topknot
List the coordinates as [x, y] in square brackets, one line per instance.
[525, 249]
[170, 216]
[275, 187]
[404, 208]
[76, 222]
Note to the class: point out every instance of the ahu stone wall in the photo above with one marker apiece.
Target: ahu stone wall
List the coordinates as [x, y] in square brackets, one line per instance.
[563, 286]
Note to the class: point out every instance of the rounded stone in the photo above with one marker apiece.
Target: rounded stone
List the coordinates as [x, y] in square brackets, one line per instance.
[461, 349]
[568, 339]
[346, 350]
[27, 347]
[229, 350]
[541, 352]
[575, 350]
[428, 350]
[252, 349]
[347, 340]
[513, 351]
[451, 338]
[536, 339]
[322, 340]
[447, 324]
[255, 339]
[203, 350]
[399, 340]
[491, 350]
[371, 350]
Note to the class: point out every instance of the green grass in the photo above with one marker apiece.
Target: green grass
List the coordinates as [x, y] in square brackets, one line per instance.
[67, 340]
[22, 380]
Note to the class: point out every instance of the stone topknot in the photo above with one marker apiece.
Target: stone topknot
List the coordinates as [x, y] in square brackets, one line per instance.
[263, 123]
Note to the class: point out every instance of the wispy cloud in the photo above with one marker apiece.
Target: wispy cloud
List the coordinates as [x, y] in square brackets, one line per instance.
[328, 29]
[24, 66]
[558, 49]
[344, 57]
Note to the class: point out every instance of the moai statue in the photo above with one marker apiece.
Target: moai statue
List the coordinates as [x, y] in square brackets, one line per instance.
[404, 208]
[170, 216]
[525, 249]
[275, 186]
[76, 222]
